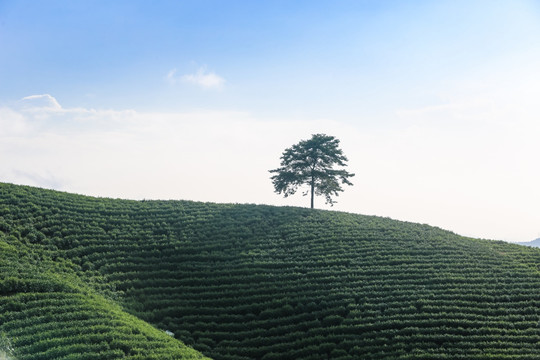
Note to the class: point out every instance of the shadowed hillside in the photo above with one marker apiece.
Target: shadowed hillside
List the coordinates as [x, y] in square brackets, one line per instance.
[254, 282]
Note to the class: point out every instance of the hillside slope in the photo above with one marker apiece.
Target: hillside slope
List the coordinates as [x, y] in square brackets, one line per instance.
[261, 282]
[48, 312]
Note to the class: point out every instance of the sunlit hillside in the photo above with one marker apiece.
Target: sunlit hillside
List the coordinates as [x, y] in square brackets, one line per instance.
[94, 278]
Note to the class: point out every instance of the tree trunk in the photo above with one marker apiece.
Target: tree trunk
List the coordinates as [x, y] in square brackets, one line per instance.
[312, 190]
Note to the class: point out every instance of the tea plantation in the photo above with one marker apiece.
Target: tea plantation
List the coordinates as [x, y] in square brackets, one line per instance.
[93, 278]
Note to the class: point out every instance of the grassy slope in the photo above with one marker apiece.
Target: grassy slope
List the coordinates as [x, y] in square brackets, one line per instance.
[48, 312]
[250, 282]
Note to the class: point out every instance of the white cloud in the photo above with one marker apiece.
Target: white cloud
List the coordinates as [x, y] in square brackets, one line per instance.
[205, 79]
[44, 101]
[475, 155]
[202, 78]
[146, 155]
[12, 123]
[45, 180]
[477, 178]
[171, 77]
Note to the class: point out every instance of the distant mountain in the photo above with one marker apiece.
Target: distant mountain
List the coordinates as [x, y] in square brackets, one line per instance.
[534, 243]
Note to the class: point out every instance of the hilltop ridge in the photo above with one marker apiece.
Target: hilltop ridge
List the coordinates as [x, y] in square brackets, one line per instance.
[254, 282]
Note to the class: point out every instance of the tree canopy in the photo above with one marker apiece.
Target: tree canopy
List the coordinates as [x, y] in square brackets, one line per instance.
[311, 162]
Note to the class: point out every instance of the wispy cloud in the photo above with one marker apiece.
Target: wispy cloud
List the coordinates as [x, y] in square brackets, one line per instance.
[171, 77]
[469, 175]
[45, 101]
[45, 179]
[202, 77]
[135, 154]
[12, 122]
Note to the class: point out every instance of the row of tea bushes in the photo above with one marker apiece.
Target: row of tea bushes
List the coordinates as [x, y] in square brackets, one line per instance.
[261, 282]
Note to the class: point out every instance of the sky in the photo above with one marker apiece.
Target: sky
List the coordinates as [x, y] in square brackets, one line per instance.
[435, 103]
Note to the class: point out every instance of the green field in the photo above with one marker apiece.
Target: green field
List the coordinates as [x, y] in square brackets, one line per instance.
[93, 278]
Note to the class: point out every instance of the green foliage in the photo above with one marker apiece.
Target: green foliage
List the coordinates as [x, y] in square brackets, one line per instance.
[47, 308]
[311, 162]
[253, 282]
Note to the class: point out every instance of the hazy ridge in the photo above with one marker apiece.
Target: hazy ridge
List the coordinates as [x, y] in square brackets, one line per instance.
[533, 243]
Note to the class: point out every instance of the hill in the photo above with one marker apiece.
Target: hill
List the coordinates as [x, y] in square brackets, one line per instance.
[534, 243]
[104, 278]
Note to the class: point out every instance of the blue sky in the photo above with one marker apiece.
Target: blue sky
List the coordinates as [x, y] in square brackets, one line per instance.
[435, 102]
[293, 56]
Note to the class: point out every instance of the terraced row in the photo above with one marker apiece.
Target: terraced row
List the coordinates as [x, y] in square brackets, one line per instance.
[258, 282]
[47, 312]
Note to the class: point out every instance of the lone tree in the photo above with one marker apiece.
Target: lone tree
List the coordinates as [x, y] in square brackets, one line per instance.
[311, 162]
